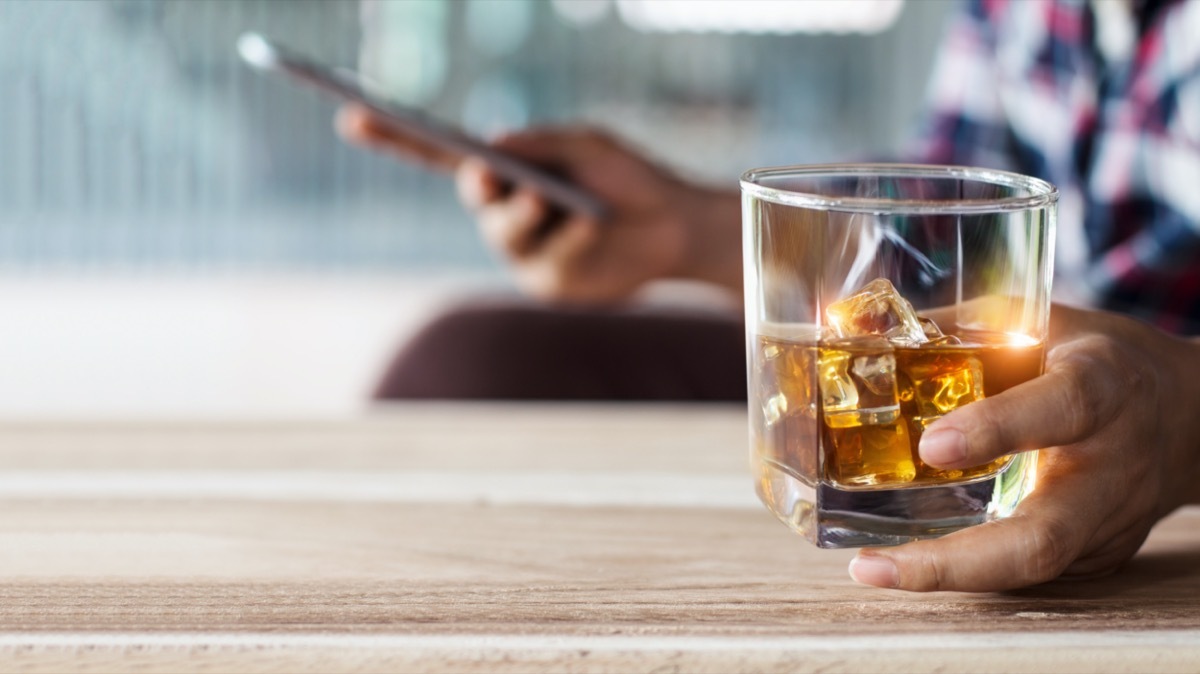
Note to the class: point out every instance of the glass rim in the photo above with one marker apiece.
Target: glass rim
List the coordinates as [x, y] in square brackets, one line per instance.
[1041, 193]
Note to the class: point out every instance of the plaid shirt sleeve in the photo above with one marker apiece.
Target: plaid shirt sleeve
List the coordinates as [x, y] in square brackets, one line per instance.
[1037, 87]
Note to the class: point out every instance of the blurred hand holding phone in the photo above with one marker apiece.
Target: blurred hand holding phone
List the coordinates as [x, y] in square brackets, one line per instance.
[422, 137]
[619, 222]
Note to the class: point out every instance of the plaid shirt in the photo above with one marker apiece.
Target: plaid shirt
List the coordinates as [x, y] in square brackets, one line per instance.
[1102, 99]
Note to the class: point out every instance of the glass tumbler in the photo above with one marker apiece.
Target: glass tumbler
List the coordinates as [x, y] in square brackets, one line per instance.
[880, 297]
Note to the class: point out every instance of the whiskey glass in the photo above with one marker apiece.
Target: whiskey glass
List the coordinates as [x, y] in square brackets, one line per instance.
[880, 297]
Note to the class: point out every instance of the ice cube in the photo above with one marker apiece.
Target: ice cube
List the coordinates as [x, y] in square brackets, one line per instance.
[932, 383]
[786, 380]
[942, 381]
[775, 408]
[930, 328]
[857, 378]
[944, 340]
[838, 393]
[934, 334]
[868, 442]
[876, 309]
[874, 454]
[877, 372]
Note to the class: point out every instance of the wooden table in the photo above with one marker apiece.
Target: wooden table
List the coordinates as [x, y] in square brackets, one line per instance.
[500, 539]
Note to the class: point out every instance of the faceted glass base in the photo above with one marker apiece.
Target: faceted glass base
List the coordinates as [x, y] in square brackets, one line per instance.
[836, 518]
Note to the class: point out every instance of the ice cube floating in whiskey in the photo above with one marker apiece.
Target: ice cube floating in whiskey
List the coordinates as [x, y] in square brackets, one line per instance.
[883, 374]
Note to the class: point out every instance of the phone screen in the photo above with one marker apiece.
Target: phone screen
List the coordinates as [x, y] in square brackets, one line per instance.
[348, 85]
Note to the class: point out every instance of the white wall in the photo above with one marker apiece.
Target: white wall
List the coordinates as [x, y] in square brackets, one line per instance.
[175, 347]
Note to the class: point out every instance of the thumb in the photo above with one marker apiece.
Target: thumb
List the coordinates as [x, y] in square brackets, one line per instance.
[1034, 545]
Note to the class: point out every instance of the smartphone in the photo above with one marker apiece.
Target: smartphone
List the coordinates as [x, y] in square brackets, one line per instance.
[269, 56]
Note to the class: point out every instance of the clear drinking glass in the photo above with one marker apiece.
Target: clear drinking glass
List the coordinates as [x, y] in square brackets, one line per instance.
[880, 297]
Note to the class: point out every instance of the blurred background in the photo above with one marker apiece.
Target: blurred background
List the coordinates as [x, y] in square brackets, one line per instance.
[181, 236]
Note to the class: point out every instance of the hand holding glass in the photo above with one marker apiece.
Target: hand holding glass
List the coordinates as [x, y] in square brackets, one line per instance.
[879, 298]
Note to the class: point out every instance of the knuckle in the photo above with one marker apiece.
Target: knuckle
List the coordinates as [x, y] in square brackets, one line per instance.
[1080, 415]
[497, 231]
[507, 231]
[934, 575]
[472, 190]
[927, 571]
[551, 283]
[1079, 366]
[1049, 550]
[1094, 367]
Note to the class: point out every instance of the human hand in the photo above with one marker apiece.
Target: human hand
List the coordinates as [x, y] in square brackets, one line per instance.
[361, 126]
[659, 227]
[1116, 412]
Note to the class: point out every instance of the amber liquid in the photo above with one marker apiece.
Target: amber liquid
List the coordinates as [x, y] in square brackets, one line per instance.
[869, 436]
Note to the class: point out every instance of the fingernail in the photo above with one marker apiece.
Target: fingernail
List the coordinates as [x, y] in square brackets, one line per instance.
[874, 570]
[942, 448]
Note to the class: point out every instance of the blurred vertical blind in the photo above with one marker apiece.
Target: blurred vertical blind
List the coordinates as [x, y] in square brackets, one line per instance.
[131, 137]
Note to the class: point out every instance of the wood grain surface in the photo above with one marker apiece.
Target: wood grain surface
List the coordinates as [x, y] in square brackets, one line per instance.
[497, 538]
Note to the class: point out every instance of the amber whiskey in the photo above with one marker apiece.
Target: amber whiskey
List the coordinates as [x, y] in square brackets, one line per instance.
[854, 409]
